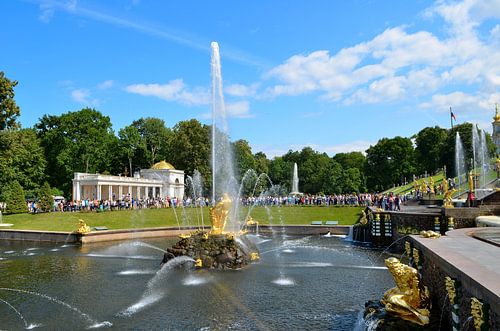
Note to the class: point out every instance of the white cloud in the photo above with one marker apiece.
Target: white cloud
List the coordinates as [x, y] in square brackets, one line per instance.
[84, 96]
[46, 13]
[397, 64]
[107, 84]
[175, 90]
[240, 90]
[239, 109]
[80, 95]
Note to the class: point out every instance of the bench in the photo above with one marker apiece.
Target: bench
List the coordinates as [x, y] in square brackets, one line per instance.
[100, 228]
[317, 223]
[332, 223]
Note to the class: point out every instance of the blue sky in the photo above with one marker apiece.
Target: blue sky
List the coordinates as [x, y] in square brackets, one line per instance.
[333, 75]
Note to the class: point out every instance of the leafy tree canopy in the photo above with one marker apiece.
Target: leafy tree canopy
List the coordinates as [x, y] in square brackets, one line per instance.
[9, 110]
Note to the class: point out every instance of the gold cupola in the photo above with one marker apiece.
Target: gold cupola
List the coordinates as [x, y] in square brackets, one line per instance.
[163, 165]
[497, 116]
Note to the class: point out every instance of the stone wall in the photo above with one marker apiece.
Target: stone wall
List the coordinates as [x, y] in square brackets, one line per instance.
[434, 270]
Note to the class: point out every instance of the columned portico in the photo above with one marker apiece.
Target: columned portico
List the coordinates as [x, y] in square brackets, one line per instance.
[161, 181]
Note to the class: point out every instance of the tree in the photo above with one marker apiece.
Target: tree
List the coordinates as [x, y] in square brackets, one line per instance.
[14, 197]
[9, 110]
[46, 198]
[155, 135]
[21, 159]
[389, 162]
[189, 148]
[261, 163]
[351, 160]
[130, 142]
[243, 157]
[81, 141]
[280, 172]
[429, 152]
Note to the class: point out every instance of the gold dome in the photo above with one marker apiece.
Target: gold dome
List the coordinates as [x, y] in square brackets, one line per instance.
[163, 165]
[497, 116]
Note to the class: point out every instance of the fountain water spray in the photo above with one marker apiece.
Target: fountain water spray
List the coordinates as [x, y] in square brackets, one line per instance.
[460, 167]
[295, 180]
[223, 175]
[154, 291]
[93, 323]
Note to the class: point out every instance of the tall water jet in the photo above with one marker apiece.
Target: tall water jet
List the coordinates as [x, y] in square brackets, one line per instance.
[476, 149]
[484, 159]
[460, 168]
[223, 175]
[295, 180]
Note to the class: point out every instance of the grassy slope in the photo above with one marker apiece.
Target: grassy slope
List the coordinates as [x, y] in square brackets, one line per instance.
[150, 218]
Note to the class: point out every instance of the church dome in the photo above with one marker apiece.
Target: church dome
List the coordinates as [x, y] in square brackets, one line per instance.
[163, 165]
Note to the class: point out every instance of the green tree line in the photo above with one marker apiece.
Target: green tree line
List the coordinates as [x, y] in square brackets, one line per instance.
[83, 141]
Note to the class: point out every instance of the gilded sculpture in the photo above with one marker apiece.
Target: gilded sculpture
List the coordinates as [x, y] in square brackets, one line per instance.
[430, 234]
[431, 185]
[449, 284]
[408, 248]
[477, 312]
[82, 227]
[407, 300]
[219, 214]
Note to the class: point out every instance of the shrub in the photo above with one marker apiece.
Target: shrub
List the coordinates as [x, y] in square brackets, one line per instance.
[13, 195]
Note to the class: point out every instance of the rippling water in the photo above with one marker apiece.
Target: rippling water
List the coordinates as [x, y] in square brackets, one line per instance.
[302, 283]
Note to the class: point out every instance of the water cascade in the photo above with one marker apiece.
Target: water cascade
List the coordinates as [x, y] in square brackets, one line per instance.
[460, 167]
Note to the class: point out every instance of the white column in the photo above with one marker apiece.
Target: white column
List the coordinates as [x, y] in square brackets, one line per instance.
[154, 192]
[138, 193]
[120, 192]
[99, 192]
[161, 191]
[110, 192]
[78, 197]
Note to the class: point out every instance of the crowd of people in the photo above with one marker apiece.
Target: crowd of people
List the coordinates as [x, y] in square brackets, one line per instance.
[384, 201]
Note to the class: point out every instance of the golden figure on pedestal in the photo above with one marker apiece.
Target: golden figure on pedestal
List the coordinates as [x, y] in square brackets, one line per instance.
[406, 300]
[82, 227]
[219, 214]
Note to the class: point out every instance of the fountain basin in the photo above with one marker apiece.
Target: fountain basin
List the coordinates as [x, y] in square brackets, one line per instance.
[330, 280]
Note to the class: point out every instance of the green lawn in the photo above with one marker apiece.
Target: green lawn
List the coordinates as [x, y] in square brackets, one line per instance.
[150, 218]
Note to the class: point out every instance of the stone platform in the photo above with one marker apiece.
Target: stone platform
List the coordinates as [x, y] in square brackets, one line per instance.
[474, 263]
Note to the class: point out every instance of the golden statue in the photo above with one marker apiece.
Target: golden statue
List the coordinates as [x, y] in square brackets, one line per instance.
[363, 219]
[430, 234]
[82, 227]
[219, 214]
[423, 187]
[471, 182]
[408, 248]
[406, 300]
[448, 198]
[431, 185]
[254, 256]
[198, 263]
[477, 312]
[449, 284]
